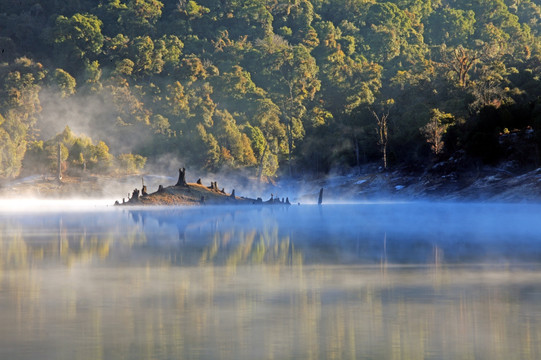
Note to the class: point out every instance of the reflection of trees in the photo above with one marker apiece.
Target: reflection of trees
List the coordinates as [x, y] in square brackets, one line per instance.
[222, 237]
[26, 240]
[251, 235]
[251, 248]
[263, 312]
[323, 309]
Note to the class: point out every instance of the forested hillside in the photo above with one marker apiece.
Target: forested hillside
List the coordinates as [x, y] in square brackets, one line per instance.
[273, 87]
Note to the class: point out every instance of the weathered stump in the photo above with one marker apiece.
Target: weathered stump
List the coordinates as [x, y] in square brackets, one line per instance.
[181, 178]
[135, 196]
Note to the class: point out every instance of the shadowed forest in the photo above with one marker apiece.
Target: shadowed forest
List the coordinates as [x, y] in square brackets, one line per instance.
[276, 87]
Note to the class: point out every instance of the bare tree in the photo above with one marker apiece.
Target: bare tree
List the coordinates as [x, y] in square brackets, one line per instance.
[382, 129]
[460, 61]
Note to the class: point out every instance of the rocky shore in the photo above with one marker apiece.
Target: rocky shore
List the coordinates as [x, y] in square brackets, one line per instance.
[444, 181]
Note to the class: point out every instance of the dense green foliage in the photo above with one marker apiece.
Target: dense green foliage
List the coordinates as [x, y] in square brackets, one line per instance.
[272, 85]
[78, 155]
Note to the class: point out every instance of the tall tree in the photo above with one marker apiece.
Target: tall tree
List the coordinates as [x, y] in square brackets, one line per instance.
[77, 40]
[292, 75]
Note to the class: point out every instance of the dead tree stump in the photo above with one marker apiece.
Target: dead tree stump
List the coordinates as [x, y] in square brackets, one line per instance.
[181, 178]
[135, 196]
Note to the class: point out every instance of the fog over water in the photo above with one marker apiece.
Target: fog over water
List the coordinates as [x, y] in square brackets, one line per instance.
[372, 280]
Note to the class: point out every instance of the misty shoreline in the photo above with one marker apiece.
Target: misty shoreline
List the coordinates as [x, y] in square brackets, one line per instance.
[484, 184]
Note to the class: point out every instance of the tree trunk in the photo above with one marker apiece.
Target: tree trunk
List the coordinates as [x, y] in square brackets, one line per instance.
[290, 145]
[382, 128]
[261, 161]
[357, 154]
[385, 156]
[59, 163]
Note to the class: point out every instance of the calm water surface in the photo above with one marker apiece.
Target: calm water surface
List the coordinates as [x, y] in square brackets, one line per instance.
[366, 281]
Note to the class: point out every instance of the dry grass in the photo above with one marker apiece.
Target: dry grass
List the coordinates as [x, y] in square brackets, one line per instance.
[191, 195]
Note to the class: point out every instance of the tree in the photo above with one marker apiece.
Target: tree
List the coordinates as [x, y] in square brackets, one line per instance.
[292, 72]
[436, 128]
[12, 146]
[390, 33]
[206, 149]
[450, 26]
[382, 128]
[65, 82]
[490, 87]
[459, 62]
[233, 143]
[138, 17]
[141, 52]
[348, 85]
[77, 39]
[191, 9]
[19, 107]
[130, 163]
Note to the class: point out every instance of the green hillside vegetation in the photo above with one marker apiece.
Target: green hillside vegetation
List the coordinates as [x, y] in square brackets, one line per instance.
[273, 87]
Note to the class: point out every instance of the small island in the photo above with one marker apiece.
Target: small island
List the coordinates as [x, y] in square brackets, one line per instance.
[184, 193]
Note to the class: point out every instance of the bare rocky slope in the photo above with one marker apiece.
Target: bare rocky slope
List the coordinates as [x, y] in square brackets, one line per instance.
[440, 183]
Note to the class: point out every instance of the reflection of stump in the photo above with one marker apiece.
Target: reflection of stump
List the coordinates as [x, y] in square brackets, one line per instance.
[181, 177]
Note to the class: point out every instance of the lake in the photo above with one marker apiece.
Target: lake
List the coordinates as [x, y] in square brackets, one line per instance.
[83, 280]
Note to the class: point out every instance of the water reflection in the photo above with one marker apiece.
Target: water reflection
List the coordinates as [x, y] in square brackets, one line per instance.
[377, 281]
